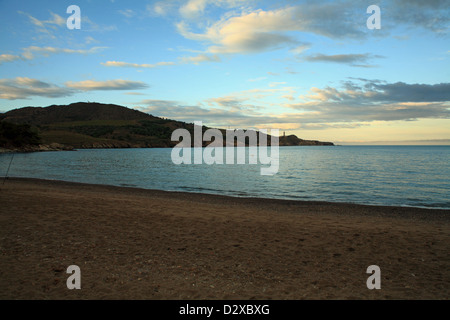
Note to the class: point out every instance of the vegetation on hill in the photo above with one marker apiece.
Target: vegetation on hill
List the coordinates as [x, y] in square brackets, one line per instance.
[293, 140]
[17, 135]
[96, 125]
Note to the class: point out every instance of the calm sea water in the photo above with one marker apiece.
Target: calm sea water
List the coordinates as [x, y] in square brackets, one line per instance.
[382, 175]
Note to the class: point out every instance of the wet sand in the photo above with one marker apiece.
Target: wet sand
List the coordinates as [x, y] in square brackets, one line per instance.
[144, 244]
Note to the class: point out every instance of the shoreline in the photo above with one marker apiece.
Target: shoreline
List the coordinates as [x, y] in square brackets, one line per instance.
[384, 210]
[135, 243]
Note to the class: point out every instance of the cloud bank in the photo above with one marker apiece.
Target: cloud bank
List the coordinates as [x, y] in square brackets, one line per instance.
[24, 88]
[356, 103]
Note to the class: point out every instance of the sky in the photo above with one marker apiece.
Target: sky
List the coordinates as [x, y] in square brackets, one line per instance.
[310, 68]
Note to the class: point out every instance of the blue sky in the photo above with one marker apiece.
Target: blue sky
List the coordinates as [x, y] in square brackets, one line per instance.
[310, 68]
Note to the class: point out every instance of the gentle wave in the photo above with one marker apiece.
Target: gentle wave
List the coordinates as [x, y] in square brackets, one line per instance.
[415, 176]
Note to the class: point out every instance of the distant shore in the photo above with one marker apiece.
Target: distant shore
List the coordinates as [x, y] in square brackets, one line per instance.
[38, 148]
[60, 147]
[145, 244]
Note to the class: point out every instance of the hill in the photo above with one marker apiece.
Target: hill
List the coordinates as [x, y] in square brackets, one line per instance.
[293, 140]
[94, 125]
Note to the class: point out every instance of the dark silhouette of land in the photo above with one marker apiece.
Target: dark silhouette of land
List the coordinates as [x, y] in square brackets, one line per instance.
[95, 125]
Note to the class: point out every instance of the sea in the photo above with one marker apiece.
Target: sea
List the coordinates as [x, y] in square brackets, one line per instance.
[414, 176]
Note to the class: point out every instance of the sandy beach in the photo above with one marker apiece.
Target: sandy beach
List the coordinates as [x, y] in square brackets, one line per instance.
[144, 244]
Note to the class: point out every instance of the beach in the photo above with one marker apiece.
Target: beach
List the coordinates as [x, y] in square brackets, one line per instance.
[146, 244]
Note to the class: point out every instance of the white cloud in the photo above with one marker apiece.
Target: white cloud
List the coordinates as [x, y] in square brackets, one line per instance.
[24, 88]
[134, 93]
[90, 40]
[200, 58]
[253, 32]
[128, 13]
[8, 58]
[161, 8]
[46, 27]
[260, 30]
[30, 53]
[135, 65]
[356, 104]
[301, 48]
[55, 20]
[89, 25]
[350, 59]
[276, 84]
[182, 60]
[371, 100]
[119, 84]
[193, 9]
[210, 116]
